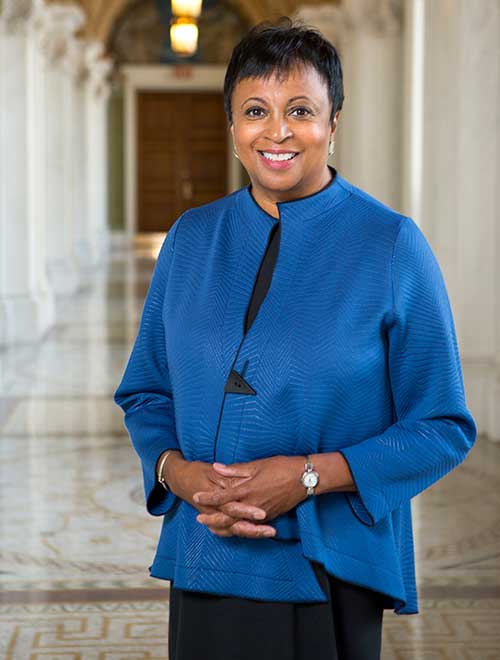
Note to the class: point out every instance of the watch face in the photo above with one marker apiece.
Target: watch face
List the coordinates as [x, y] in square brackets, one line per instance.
[310, 479]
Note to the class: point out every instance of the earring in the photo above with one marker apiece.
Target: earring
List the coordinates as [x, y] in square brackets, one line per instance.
[331, 148]
[235, 153]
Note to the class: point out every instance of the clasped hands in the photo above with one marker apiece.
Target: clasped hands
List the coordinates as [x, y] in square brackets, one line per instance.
[231, 498]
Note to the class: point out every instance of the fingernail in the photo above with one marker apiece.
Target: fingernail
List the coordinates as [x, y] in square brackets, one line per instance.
[259, 514]
[196, 498]
[269, 533]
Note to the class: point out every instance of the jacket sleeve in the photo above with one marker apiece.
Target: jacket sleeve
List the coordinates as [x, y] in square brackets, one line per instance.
[145, 392]
[434, 430]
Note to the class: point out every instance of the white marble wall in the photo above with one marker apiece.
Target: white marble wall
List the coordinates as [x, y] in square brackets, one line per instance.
[420, 130]
[53, 196]
[461, 158]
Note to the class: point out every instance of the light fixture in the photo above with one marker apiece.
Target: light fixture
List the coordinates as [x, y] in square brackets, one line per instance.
[186, 8]
[184, 36]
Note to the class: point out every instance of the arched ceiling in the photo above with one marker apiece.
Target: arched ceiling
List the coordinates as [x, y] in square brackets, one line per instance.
[102, 15]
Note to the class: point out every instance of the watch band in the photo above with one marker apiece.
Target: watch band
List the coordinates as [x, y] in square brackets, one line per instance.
[309, 468]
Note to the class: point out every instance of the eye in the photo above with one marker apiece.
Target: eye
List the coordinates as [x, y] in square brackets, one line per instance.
[303, 111]
[249, 111]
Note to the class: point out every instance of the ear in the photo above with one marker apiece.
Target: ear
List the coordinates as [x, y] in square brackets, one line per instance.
[335, 123]
[231, 128]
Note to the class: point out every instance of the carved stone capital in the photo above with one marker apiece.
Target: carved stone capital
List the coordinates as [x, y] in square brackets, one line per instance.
[55, 27]
[15, 13]
[93, 52]
[73, 59]
[98, 69]
[375, 17]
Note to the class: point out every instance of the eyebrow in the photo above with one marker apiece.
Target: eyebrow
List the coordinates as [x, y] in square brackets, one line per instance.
[293, 98]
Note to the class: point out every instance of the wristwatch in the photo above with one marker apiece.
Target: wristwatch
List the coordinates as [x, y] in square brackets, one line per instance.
[309, 478]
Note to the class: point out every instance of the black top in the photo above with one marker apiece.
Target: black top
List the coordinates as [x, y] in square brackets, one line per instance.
[264, 275]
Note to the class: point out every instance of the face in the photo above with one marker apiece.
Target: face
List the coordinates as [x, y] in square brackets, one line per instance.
[291, 116]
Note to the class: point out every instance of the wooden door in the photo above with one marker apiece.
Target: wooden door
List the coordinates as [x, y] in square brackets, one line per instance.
[182, 155]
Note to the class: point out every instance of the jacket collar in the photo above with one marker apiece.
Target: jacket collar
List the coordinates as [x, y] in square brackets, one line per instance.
[300, 209]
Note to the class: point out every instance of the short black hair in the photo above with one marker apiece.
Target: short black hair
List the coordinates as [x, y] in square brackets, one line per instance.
[274, 48]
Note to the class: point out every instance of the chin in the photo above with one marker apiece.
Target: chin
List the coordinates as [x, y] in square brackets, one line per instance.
[278, 181]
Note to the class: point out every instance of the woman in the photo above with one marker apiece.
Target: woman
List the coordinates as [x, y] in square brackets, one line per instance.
[294, 383]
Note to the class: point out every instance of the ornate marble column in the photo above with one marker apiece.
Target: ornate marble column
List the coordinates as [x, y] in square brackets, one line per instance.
[97, 93]
[63, 69]
[368, 37]
[26, 300]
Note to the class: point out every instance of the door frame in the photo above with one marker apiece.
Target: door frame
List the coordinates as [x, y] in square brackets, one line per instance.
[166, 78]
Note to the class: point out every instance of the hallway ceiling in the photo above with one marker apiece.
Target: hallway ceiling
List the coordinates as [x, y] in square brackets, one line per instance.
[102, 15]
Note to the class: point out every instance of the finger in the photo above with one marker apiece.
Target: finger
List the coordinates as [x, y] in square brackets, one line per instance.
[234, 470]
[217, 519]
[218, 497]
[249, 530]
[241, 510]
[221, 531]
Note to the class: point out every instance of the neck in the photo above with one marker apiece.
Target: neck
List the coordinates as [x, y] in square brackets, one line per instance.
[268, 200]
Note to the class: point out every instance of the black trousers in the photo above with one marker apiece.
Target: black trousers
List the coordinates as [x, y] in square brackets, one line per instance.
[213, 627]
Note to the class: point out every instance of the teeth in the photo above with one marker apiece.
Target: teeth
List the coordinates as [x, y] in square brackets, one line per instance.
[278, 156]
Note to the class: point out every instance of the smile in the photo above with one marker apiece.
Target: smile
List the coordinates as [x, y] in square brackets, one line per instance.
[278, 161]
[278, 157]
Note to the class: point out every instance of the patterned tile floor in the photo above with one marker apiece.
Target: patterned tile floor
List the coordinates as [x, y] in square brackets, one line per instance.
[76, 541]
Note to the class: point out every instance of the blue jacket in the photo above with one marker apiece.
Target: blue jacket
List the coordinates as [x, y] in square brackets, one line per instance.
[353, 350]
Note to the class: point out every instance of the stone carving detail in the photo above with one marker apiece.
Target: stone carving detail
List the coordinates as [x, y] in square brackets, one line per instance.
[98, 69]
[73, 58]
[55, 27]
[14, 12]
[378, 17]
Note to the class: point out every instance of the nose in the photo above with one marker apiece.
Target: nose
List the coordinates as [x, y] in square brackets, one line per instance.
[278, 129]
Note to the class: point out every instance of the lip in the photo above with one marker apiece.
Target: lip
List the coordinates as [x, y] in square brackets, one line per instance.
[278, 164]
[279, 151]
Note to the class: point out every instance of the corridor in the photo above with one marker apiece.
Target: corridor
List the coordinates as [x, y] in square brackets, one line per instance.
[77, 540]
